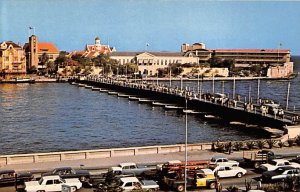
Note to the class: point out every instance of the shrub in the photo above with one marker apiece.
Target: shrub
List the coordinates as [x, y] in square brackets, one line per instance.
[280, 144]
[250, 144]
[260, 144]
[271, 143]
[291, 142]
[297, 140]
[238, 145]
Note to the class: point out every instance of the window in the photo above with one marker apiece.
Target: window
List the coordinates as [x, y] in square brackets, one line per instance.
[56, 181]
[128, 184]
[49, 182]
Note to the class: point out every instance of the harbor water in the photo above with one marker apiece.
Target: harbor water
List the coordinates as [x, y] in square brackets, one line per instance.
[59, 117]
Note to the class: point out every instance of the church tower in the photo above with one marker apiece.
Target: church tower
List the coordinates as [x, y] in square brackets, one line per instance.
[33, 52]
[97, 41]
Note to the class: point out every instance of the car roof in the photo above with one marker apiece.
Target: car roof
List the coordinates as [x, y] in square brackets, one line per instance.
[129, 179]
[63, 168]
[51, 177]
[280, 160]
[7, 171]
[126, 164]
[219, 157]
[207, 171]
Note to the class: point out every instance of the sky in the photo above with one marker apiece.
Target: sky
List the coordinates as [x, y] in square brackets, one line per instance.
[128, 25]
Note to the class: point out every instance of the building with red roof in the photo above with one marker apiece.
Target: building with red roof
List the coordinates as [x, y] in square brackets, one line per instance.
[34, 51]
[94, 50]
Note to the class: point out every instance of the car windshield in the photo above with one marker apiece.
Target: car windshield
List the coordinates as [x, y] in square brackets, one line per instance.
[41, 181]
[273, 162]
[279, 170]
[213, 160]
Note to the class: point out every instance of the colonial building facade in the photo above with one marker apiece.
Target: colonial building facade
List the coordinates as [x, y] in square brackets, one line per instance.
[34, 51]
[94, 50]
[12, 59]
[149, 62]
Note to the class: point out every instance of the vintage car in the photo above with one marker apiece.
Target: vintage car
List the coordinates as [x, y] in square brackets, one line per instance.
[52, 183]
[10, 177]
[280, 174]
[222, 161]
[69, 172]
[228, 171]
[132, 183]
[274, 164]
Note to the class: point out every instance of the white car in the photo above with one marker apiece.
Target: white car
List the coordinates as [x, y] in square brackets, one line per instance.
[274, 164]
[223, 161]
[227, 171]
[132, 183]
[52, 183]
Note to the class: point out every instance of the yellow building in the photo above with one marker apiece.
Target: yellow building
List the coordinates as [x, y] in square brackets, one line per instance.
[12, 59]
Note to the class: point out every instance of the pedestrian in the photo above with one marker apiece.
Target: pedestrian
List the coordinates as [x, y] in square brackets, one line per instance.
[229, 148]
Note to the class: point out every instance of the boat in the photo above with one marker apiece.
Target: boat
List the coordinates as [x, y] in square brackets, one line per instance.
[103, 90]
[141, 100]
[74, 83]
[122, 95]
[88, 87]
[95, 89]
[22, 80]
[112, 93]
[211, 117]
[172, 107]
[81, 85]
[132, 98]
[189, 111]
[158, 103]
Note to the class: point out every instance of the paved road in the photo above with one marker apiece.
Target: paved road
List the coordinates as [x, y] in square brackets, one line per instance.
[97, 165]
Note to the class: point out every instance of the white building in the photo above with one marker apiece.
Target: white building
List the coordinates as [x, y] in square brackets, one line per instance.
[149, 62]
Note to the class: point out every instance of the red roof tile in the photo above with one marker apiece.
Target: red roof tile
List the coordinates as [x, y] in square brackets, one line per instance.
[47, 47]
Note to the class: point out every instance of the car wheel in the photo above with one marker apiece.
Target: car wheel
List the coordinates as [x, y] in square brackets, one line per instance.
[239, 175]
[150, 190]
[256, 165]
[82, 178]
[212, 185]
[73, 189]
[180, 188]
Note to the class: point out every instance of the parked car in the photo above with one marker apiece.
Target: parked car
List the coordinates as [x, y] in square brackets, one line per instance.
[226, 171]
[280, 174]
[195, 179]
[52, 183]
[296, 159]
[132, 183]
[69, 172]
[9, 177]
[222, 161]
[132, 168]
[274, 164]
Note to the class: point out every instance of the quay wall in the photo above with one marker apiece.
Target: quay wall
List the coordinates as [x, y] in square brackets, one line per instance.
[227, 113]
[98, 153]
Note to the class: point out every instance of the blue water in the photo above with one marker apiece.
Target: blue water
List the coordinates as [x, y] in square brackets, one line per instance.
[59, 117]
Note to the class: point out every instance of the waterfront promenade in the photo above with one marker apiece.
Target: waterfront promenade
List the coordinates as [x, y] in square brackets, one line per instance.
[151, 159]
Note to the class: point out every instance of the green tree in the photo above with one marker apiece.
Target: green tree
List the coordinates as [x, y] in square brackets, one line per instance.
[51, 67]
[44, 60]
[61, 59]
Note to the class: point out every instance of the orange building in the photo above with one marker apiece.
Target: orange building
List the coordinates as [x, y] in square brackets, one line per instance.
[34, 51]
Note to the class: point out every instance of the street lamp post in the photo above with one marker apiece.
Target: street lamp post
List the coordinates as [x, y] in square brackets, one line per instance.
[186, 140]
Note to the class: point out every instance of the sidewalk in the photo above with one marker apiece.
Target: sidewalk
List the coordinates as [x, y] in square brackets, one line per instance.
[151, 159]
